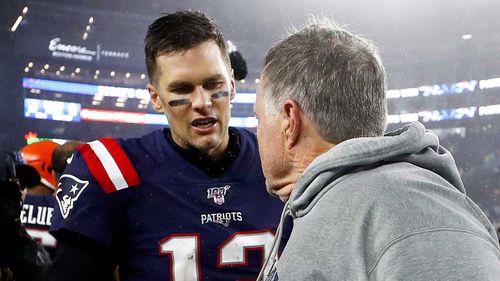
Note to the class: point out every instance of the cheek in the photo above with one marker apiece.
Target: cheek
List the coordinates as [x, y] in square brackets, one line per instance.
[175, 116]
[268, 150]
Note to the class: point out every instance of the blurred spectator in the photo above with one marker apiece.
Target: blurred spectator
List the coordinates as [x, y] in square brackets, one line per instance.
[39, 156]
[27, 176]
[238, 63]
[36, 213]
[21, 258]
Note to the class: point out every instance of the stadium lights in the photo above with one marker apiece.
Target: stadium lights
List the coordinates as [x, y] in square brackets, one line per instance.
[127, 75]
[85, 36]
[30, 64]
[62, 68]
[97, 72]
[77, 70]
[58, 73]
[91, 20]
[19, 20]
[242, 81]
[467, 36]
[143, 76]
[112, 74]
[46, 66]
[257, 81]
[26, 69]
[16, 24]
[42, 71]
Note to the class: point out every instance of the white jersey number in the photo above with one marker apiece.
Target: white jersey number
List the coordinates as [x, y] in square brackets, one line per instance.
[184, 251]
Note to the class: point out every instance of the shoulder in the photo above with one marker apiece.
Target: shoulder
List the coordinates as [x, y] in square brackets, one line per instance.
[247, 139]
[39, 200]
[107, 161]
[244, 133]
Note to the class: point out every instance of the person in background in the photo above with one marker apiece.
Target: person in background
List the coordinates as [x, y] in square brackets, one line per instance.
[182, 203]
[366, 206]
[37, 177]
[39, 156]
[21, 258]
[37, 210]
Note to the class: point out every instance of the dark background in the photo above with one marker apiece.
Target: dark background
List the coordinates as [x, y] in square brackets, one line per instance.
[420, 42]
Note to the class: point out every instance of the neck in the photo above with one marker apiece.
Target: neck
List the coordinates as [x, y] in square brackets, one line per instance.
[308, 147]
[212, 166]
[40, 190]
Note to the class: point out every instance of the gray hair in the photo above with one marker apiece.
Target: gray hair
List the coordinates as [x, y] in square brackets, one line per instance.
[335, 76]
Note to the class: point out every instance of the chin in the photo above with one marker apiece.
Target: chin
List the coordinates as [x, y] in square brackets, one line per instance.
[274, 191]
[284, 198]
[207, 143]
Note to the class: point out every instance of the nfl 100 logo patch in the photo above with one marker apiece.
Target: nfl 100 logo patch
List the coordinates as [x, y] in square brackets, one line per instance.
[217, 193]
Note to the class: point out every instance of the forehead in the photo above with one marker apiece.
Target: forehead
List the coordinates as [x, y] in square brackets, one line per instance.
[197, 63]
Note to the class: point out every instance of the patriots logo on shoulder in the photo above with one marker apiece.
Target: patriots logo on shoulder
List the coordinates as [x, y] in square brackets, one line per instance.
[217, 193]
[69, 189]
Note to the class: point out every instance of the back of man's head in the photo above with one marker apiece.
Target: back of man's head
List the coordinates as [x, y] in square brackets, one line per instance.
[27, 176]
[335, 76]
[179, 32]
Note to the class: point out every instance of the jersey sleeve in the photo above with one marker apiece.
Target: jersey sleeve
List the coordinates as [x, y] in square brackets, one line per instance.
[85, 198]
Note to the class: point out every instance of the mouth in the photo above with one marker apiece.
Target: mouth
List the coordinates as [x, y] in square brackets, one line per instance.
[204, 123]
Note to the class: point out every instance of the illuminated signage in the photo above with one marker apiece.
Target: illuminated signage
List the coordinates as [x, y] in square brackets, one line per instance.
[442, 114]
[70, 51]
[489, 110]
[444, 89]
[52, 110]
[489, 83]
[76, 52]
[462, 87]
[448, 114]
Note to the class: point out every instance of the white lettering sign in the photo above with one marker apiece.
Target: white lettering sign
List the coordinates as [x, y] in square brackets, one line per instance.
[55, 45]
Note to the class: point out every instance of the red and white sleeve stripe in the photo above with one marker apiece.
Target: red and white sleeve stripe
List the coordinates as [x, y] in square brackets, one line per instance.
[109, 164]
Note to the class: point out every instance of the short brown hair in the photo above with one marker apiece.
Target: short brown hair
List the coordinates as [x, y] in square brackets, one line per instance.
[179, 32]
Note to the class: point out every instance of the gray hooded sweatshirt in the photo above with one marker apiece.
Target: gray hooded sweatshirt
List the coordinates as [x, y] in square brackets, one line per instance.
[387, 208]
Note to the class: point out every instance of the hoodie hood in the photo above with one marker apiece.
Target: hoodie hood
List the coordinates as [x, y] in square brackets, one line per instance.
[411, 143]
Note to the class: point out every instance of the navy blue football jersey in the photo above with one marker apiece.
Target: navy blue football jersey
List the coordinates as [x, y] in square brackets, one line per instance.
[162, 216]
[36, 216]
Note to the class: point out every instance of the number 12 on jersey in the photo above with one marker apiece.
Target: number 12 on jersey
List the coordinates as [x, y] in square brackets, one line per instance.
[184, 252]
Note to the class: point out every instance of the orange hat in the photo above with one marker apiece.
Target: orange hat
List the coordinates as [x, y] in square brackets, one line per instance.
[39, 155]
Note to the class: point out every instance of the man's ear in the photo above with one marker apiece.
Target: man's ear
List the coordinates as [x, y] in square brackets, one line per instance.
[155, 99]
[292, 123]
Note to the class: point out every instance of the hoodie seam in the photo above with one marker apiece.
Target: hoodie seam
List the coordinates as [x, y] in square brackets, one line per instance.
[392, 188]
[414, 233]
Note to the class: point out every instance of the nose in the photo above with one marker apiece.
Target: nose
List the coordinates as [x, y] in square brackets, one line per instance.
[201, 99]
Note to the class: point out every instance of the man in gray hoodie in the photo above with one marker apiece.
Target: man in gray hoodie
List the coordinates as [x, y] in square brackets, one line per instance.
[366, 206]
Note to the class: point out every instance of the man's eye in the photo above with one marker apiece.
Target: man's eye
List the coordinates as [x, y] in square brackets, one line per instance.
[185, 89]
[213, 85]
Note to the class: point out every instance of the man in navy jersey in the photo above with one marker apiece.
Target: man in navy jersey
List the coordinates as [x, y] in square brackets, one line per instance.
[183, 203]
[37, 209]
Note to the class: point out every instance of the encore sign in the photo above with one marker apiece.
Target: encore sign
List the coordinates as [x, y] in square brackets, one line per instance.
[76, 52]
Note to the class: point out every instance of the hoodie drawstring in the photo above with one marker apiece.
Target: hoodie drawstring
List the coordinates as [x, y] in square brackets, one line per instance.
[268, 269]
